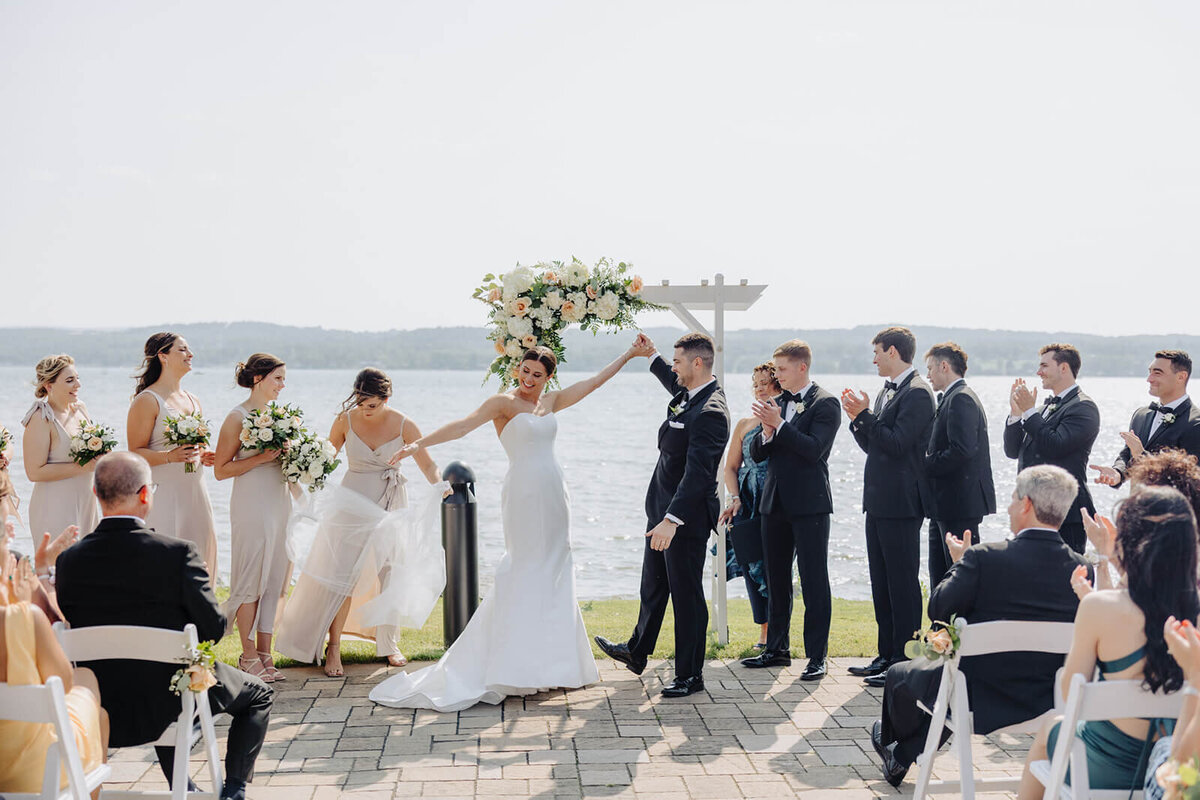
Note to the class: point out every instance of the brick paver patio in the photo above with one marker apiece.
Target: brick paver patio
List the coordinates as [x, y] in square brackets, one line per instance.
[752, 734]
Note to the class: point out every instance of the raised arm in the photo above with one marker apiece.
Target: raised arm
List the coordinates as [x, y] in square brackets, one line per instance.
[491, 409]
[572, 394]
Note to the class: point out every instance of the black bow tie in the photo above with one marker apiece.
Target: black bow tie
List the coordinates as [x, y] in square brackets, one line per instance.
[1156, 408]
[1049, 400]
[889, 386]
[786, 397]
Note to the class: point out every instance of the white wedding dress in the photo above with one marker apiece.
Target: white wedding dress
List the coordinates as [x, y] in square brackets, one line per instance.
[527, 635]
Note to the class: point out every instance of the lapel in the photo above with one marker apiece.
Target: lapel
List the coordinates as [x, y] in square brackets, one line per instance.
[1180, 411]
[946, 395]
[697, 401]
[807, 400]
[900, 390]
[1071, 397]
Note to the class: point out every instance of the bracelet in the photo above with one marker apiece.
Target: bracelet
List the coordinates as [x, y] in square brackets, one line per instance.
[1190, 690]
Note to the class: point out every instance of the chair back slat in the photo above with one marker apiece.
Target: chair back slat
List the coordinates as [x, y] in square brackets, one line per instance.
[133, 642]
[27, 703]
[1117, 699]
[1007, 636]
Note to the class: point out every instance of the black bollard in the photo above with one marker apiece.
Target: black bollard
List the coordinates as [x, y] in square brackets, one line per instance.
[459, 535]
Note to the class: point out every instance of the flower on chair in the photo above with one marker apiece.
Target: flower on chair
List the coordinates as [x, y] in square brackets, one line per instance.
[198, 675]
[939, 643]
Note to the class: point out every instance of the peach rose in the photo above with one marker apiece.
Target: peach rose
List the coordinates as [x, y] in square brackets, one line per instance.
[529, 341]
[636, 284]
[567, 308]
[493, 295]
[200, 678]
[592, 293]
[520, 307]
[550, 277]
[940, 641]
[499, 347]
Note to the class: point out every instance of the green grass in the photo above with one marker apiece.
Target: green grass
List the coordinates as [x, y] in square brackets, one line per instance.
[852, 634]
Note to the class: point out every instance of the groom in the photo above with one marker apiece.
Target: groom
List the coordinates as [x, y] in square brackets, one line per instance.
[681, 511]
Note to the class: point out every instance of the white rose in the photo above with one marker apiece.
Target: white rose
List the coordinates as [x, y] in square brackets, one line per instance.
[520, 327]
[263, 420]
[186, 425]
[607, 306]
[316, 469]
[305, 479]
[514, 349]
[95, 443]
[265, 435]
[517, 282]
[576, 273]
[328, 449]
[296, 422]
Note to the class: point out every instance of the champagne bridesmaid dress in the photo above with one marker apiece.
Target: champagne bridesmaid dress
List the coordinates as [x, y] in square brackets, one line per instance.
[69, 501]
[181, 506]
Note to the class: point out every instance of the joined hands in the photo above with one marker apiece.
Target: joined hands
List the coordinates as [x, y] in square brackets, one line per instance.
[1021, 398]
[404, 452]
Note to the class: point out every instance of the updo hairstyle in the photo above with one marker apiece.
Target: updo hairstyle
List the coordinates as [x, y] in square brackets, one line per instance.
[255, 368]
[48, 370]
[370, 382]
[545, 356]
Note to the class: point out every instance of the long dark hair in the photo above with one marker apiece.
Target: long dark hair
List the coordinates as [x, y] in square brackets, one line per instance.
[151, 367]
[368, 383]
[1156, 544]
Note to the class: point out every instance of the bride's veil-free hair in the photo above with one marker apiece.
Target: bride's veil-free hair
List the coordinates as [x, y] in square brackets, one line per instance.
[369, 382]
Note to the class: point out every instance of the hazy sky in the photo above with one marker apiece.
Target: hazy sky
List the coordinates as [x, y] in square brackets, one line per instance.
[361, 165]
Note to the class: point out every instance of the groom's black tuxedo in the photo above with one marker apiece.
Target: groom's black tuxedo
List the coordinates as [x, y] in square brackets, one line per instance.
[959, 465]
[796, 505]
[126, 574]
[690, 444]
[1182, 433]
[896, 499]
[1064, 438]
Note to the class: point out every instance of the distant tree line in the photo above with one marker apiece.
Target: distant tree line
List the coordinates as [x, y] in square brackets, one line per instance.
[846, 350]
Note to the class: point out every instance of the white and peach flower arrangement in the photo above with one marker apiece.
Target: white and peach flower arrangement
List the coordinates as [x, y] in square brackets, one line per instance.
[187, 429]
[271, 428]
[531, 306]
[91, 441]
[939, 643]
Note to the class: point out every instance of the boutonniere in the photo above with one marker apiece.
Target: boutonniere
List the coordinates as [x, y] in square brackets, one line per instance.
[1051, 408]
[800, 406]
[676, 410]
[889, 394]
[1168, 418]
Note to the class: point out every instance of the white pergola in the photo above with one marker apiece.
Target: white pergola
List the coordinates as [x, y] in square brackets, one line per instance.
[717, 297]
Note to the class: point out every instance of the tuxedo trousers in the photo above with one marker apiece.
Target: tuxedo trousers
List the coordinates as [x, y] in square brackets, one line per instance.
[1074, 535]
[805, 539]
[247, 700]
[939, 553]
[902, 721]
[675, 574]
[894, 563]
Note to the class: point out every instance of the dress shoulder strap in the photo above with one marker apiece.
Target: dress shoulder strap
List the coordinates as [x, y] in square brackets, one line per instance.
[1118, 664]
[39, 408]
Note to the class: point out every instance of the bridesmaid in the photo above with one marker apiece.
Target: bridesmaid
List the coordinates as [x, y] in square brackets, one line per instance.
[9, 501]
[62, 490]
[181, 505]
[258, 514]
[371, 431]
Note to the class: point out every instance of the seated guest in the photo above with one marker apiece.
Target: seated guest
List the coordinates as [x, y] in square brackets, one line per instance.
[29, 655]
[1169, 467]
[1121, 632]
[1183, 643]
[126, 574]
[1027, 577]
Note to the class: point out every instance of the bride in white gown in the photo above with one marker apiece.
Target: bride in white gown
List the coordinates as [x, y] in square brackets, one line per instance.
[527, 635]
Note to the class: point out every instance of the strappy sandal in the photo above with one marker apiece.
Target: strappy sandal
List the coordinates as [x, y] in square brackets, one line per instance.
[269, 665]
[397, 659]
[254, 666]
[334, 672]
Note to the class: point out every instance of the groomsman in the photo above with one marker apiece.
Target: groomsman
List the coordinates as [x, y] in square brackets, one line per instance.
[1061, 432]
[958, 460]
[1172, 421]
[681, 510]
[796, 505]
[896, 497]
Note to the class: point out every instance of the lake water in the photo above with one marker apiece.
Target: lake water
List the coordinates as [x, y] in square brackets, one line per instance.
[606, 445]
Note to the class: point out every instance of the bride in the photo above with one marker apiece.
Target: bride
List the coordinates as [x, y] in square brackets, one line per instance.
[527, 635]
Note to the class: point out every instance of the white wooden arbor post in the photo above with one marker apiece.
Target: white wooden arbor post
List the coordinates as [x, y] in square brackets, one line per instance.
[718, 298]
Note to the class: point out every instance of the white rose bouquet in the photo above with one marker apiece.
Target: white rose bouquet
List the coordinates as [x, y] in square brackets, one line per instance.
[309, 461]
[531, 306]
[271, 428]
[187, 429]
[6, 439]
[91, 441]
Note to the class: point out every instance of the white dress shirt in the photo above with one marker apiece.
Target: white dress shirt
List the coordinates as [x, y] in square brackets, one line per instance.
[1167, 408]
[1040, 410]
[691, 393]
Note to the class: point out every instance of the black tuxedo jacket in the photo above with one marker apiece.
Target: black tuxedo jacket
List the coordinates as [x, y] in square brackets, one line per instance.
[1183, 433]
[894, 483]
[1025, 578]
[797, 481]
[126, 574]
[1063, 439]
[959, 459]
[690, 446]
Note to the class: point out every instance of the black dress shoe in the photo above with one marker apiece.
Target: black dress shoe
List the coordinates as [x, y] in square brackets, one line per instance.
[682, 687]
[876, 681]
[814, 671]
[877, 666]
[893, 770]
[769, 658]
[619, 651]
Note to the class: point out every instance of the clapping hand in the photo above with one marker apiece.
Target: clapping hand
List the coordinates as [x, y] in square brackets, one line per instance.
[957, 546]
[403, 453]
[48, 551]
[854, 404]
[1022, 397]
[1079, 582]
[1101, 532]
[1183, 644]
[1107, 477]
[768, 413]
[1134, 443]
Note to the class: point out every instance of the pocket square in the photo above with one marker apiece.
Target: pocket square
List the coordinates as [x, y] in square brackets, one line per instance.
[675, 424]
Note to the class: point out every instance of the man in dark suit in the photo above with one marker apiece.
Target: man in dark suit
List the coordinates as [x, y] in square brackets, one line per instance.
[797, 436]
[959, 460]
[126, 574]
[896, 495]
[1027, 577]
[1172, 421]
[681, 511]
[1061, 432]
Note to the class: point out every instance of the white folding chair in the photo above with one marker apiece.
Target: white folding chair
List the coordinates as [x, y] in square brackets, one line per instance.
[47, 703]
[952, 708]
[1090, 701]
[138, 643]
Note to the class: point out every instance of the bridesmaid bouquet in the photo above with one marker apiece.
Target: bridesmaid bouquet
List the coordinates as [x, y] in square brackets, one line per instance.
[187, 429]
[531, 306]
[271, 428]
[5, 442]
[1179, 781]
[309, 461]
[91, 441]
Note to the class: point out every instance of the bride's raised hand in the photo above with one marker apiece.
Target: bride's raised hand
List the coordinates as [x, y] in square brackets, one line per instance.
[404, 452]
